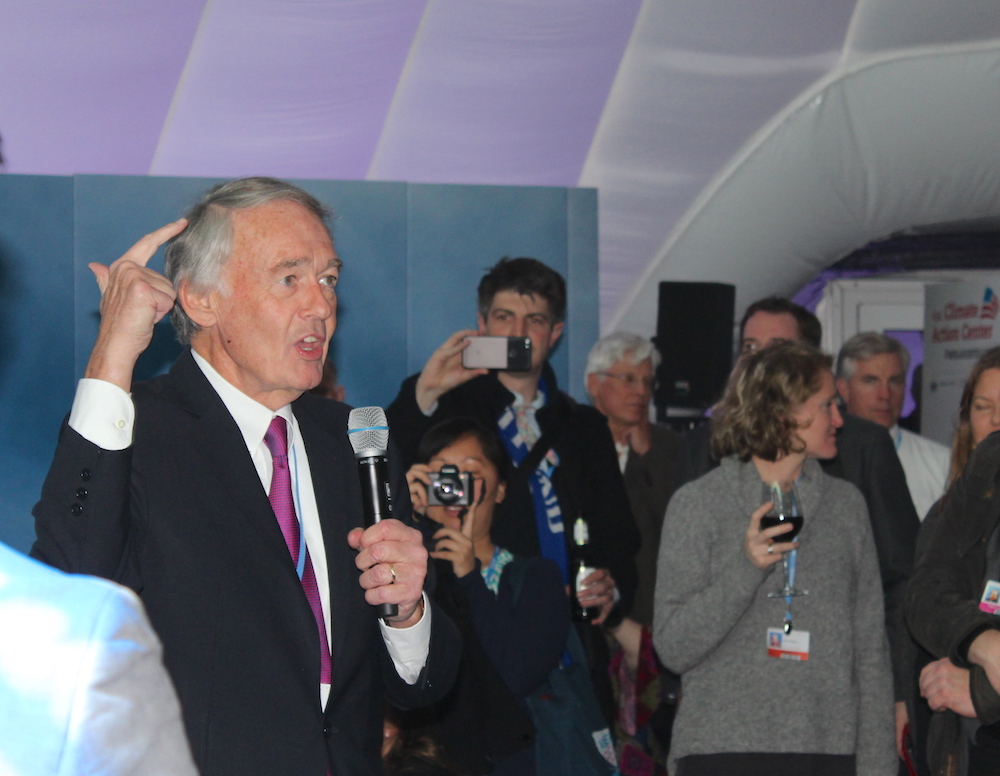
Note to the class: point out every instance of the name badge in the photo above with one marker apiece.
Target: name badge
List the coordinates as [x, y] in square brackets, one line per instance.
[788, 646]
[990, 602]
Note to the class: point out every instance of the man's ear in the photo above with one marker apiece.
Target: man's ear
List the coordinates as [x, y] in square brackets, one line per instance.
[197, 304]
[844, 389]
[501, 491]
[481, 322]
[557, 331]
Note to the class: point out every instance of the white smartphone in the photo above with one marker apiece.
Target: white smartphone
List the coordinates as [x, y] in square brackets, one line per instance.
[512, 354]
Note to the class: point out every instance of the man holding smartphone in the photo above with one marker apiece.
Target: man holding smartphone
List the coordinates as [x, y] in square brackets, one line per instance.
[565, 464]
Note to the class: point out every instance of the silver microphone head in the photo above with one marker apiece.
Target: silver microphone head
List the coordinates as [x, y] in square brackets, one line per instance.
[368, 431]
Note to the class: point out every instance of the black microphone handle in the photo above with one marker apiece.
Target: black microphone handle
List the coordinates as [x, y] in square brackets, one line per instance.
[374, 474]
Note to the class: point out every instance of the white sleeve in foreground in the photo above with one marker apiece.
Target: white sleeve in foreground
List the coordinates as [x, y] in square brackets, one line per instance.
[409, 647]
[103, 414]
[125, 718]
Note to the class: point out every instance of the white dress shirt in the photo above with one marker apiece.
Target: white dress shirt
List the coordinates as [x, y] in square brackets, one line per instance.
[926, 464]
[104, 415]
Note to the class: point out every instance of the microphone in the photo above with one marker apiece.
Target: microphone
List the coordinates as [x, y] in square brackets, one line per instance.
[368, 431]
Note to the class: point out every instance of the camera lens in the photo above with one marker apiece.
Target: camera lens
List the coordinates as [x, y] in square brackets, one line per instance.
[448, 488]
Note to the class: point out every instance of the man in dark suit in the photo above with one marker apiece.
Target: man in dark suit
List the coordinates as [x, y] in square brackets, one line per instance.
[231, 502]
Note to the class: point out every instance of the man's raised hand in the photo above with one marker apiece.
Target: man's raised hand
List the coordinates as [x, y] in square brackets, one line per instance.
[134, 298]
[444, 371]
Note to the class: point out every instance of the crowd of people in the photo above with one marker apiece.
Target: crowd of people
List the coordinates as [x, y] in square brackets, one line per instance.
[576, 589]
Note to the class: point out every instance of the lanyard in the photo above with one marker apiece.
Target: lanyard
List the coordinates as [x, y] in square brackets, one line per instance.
[301, 567]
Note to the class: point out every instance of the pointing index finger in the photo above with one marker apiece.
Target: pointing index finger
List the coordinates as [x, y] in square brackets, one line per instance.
[146, 247]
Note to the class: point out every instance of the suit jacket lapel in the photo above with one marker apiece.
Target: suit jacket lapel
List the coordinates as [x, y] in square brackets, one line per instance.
[215, 437]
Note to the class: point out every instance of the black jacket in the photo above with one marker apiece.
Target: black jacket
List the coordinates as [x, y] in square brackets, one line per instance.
[942, 600]
[650, 481]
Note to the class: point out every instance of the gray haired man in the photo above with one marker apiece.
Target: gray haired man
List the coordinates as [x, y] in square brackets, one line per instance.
[871, 379]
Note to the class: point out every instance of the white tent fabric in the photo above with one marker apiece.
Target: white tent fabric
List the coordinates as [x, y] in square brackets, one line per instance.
[751, 142]
[887, 140]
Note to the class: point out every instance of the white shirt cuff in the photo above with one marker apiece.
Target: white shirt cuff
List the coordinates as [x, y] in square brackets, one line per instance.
[103, 414]
[409, 647]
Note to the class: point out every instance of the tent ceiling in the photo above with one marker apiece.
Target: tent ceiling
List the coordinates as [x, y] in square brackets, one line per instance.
[773, 135]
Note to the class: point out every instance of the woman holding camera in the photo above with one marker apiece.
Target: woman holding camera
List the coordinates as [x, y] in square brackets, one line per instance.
[780, 676]
[513, 613]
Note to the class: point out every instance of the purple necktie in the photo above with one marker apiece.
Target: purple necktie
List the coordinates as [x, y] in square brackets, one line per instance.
[280, 497]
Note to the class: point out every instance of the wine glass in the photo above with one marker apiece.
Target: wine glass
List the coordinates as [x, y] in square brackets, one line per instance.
[784, 510]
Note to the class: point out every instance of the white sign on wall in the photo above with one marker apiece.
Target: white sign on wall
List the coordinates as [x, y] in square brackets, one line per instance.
[960, 324]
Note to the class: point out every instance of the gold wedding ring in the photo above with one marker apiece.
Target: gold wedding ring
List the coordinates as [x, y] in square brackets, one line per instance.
[392, 570]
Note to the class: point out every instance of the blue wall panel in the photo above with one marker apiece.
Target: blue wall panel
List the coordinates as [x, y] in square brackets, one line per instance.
[456, 234]
[36, 339]
[413, 256]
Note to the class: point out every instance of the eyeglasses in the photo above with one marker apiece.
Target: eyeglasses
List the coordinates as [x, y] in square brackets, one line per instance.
[631, 381]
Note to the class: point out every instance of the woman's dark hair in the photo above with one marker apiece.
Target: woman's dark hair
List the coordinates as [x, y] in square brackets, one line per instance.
[449, 432]
[754, 417]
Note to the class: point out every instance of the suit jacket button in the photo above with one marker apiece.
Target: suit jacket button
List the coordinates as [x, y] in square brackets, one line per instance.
[327, 731]
[76, 509]
[81, 493]
[85, 475]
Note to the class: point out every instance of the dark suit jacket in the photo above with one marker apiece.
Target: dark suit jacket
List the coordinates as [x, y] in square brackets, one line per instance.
[867, 458]
[181, 518]
[650, 481]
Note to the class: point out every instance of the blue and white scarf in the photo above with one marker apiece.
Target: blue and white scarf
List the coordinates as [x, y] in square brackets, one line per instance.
[548, 514]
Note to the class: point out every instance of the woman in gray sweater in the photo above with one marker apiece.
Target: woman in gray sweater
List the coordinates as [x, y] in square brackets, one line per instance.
[755, 699]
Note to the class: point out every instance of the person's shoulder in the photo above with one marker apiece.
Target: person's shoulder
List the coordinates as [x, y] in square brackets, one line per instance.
[329, 414]
[709, 484]
[535, 566]
[534, 571]
[931, 445]
[839, 488]
[160, 386]
[78, 597]
[665, 436]
[581, 416]
[322, 406]
[863, 430]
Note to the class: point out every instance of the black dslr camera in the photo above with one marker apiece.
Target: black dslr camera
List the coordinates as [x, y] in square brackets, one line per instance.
[450, 488]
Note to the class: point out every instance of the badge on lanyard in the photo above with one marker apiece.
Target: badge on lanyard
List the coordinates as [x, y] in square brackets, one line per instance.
[990, 602]
[788, 646]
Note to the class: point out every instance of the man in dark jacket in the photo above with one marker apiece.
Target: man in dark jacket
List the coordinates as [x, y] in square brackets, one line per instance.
[565, 461]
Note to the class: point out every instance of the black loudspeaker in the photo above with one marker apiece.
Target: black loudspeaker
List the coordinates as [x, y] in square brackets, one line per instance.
[694, 334]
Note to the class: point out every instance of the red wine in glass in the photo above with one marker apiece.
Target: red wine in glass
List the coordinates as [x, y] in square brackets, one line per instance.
[784, 509]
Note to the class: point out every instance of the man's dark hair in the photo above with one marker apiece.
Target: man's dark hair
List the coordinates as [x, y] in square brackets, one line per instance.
[527, 277]
[810, 329]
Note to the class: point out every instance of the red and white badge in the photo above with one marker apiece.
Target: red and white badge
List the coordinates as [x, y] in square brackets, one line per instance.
[990, 602]
[788, 646]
